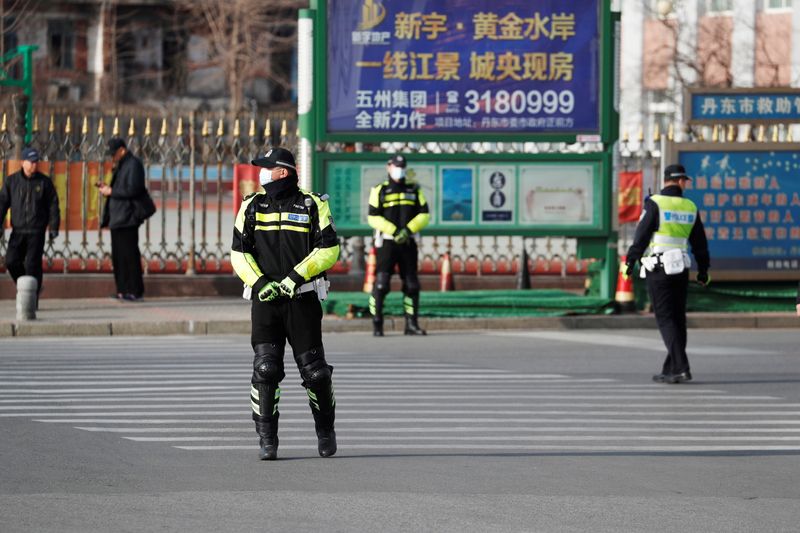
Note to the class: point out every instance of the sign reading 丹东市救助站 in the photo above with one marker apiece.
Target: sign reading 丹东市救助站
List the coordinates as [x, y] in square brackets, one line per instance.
[456, 66]
[749, 202]
[743, 105]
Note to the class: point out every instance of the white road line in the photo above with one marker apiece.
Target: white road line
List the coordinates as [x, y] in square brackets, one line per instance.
[241, 417]
[247, 427]
[397, 378]
[220, 366]
[533, 396]
[292, 387]
[190, 372]
[483, 438]
[456, 410]
[511, 447]
[656, 394]
[297, 401]
[639, 343]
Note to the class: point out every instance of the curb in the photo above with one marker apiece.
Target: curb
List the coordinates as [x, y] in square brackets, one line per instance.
[394, 324]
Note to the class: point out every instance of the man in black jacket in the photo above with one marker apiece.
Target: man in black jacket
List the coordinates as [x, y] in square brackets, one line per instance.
[119, 214]
[397, 212]
[669, 227]
[34, 205]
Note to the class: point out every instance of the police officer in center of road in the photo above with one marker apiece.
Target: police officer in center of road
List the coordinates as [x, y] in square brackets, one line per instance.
[283, 242]
[670, 224]
[34, 206]
[397, 211]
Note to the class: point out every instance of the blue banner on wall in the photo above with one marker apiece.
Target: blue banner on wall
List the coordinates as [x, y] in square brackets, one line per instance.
[746, 106]
[515, 66]
[750, 205]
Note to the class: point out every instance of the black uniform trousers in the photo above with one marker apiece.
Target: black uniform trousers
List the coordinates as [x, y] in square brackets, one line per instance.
[405, 256]
[24, 255]
[127, 261]
[668, 295]
[299, 321]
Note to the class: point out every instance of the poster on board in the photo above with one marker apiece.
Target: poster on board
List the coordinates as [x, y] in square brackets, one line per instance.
[556, 194]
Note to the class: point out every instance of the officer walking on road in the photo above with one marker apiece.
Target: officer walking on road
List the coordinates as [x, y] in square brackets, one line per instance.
[397, 211]
[669, 224]
[34, 206]
[283, 241]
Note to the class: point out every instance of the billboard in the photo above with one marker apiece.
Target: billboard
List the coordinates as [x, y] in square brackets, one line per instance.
[491, 196]
[452, 66]
[749, 201]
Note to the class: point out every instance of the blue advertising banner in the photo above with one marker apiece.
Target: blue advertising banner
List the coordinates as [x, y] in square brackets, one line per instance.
[437, 66]
[749, 202]
[753, 107]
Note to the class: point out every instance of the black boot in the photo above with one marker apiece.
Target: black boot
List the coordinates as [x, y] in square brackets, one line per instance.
[268, 439]
[377, 327]
[412, 328]
[326, 442]
[269, 448]
[326, 436]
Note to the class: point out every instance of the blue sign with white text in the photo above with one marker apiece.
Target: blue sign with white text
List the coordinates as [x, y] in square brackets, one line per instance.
[517, 66]
[746, 106]
[749, 203]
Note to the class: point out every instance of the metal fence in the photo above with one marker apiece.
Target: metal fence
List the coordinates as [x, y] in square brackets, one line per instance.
[189, 164]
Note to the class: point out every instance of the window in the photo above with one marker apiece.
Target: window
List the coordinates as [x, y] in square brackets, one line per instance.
[61, 43]
[779, 4]
[720, 6]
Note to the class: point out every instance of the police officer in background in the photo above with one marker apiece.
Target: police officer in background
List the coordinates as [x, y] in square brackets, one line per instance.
[397, 210]
[283, 241]
[33, 201]
[670, 224]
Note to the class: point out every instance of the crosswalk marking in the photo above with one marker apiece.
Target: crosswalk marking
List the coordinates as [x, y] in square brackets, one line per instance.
[192, 395]
[607, 339]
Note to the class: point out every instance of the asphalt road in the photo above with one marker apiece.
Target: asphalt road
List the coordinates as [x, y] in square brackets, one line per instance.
[505, 431]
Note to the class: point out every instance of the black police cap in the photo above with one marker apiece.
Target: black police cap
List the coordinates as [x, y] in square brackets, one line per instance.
[675, 172]
[398, 161]
[277, 157]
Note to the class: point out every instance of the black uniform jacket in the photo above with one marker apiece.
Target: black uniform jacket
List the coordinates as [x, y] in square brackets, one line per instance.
[127, 187]
[395, 205]
[648, 224]
[33, 202]
[288, 234]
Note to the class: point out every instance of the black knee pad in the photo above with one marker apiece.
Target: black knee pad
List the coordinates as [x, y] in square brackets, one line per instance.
[314, 370]
[381, 287]
[268, 364]
[411, 285]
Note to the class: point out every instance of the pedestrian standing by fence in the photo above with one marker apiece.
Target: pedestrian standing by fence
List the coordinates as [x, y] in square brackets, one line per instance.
[33, 201]
[668, 225]
[397, 211]
[123, 214]
[283, 242]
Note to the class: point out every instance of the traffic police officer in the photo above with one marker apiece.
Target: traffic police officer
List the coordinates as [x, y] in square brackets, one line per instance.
[34, 206]
[283, 241]
[670, 224]
[397, 210]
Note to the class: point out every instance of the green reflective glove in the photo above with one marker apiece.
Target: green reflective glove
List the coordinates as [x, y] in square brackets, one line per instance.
[269, 292]
[287, 287]
[402, 236]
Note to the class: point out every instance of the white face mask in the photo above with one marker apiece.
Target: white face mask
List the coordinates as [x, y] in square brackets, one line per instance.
[264, 176]
[397, 173]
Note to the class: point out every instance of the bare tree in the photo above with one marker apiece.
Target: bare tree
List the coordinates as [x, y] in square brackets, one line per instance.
[19, 10]
[244, 36]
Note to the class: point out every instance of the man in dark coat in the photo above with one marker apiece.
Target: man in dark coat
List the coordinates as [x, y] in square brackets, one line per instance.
[34, 205]
[120, 216]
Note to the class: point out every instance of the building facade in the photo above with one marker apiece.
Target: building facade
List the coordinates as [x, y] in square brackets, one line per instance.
[671, 45]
